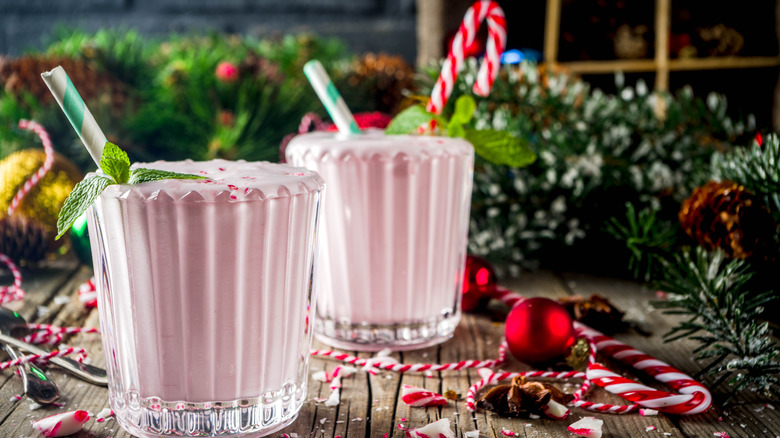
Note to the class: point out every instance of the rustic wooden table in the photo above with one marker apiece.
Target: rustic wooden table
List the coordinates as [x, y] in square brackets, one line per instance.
[370, 405]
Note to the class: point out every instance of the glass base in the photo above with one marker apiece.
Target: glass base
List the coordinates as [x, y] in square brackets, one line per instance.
[376, 337]
[246, 418]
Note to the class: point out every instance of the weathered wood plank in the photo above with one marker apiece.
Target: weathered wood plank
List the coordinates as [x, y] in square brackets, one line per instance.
[463, 346]
[375, 399]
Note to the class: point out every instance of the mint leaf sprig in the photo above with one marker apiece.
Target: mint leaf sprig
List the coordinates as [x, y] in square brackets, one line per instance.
[498, 147]
[115, 164]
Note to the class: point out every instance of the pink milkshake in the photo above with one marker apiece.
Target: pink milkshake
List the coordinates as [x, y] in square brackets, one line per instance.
[394, 236]
[204, 290]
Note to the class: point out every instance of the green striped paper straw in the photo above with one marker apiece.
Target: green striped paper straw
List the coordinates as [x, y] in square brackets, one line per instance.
[330, 97]
[74, 108]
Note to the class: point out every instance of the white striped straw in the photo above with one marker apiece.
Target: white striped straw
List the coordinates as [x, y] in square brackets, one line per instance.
[76, 110]
[330, 97]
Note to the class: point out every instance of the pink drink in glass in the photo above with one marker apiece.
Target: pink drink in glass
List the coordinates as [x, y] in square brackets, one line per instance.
[204, 290]
[394, 236]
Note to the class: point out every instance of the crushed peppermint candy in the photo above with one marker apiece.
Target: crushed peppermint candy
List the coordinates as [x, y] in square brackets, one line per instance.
[104, 415]
[649, 428]
[334, 399]
[471, 434]
[507, 432]
[589, 427]
[64, 424]
[61, 299]
[439, 429]
[418, 397]
[648, 412]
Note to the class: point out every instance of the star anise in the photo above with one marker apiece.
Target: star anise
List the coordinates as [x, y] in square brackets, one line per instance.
[521, 398]
[596, 312]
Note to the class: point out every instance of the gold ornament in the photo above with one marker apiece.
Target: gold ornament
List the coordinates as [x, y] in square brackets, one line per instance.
[34, 223]
[578, 355]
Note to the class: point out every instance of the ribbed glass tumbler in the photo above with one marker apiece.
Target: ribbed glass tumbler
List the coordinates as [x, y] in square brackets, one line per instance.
[393, 239]
[204, 294]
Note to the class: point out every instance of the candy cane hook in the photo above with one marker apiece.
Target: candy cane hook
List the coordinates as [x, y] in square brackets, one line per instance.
[693, 397]
[482, 10]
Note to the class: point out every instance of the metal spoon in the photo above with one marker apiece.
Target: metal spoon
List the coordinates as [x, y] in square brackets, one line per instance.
[39, 387]
[85, 372]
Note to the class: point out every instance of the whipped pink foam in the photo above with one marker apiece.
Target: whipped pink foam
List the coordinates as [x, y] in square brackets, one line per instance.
[205, 284]
[224, 180]
[394, 227]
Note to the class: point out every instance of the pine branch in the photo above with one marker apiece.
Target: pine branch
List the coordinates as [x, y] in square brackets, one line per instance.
[756, 167]
[648, 238]
[723, 317]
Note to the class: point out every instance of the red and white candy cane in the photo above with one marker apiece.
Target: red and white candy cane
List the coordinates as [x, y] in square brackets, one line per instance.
[42, 359]
[307, 121]
[47, 334]
[47, 163]
[13, 292]
[88, 293]
[693, 397]
[496, 22]
[377, 363]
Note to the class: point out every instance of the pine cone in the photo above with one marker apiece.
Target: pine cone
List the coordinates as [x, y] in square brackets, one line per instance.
[24, 240]
[386, 77]
[256, 66]
[24, 74]
[725, 215]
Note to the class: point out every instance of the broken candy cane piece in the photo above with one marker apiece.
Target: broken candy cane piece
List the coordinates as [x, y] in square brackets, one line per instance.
[471, 434]
[437, 429]
[66, 423]
[321, 376]
[589, 427]
[556, 411]
[104, 415]
[648, 412]
[334, 399]
[414, 396]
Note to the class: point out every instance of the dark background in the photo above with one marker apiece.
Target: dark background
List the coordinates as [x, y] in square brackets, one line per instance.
[587, 31]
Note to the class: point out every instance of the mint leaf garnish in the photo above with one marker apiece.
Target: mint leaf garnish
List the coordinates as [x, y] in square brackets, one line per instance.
[142, 175]
[116, 166]
[501, 147]
[115, 163]
[464, 112]
[82, 196]
[408, 120]
[497, 147]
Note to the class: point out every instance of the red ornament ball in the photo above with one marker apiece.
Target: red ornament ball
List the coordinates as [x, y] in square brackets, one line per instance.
[226, 71]
[374, 119]
[539, 329]
[479, 282]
